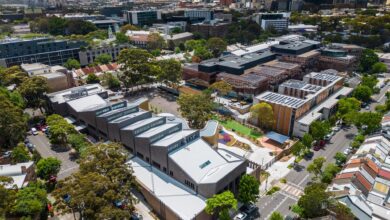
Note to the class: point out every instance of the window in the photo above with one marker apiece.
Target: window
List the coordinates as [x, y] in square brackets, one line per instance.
[164, 169]
[171, 173]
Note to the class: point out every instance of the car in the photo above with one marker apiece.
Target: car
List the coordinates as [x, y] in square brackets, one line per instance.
[136, 216]
[240, 216]
[7, 154]
[317, 147]
[249, 209]
[309, 155]
[30, 146]
[367, 107]
[336, 129]
[26, 141]
[347, 151]
[34, 131]
[328, 137]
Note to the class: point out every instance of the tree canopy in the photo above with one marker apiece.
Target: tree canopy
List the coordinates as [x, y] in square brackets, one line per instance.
[220, 204]
[156, 41]
[368, 59]
[318, 129]
[60, 129]
[248, 189]
[48, 167]
[101, 189]
[33, 90]
[314, 201]
[276, 216]
[216, 46]
[72, 64]
[30, 201]
[171, 72]
[379, 67]
[222, 87]
[196, 108]
[103, 59]
[20, 154]
[263, 114]
[13, 123]
[92, 78]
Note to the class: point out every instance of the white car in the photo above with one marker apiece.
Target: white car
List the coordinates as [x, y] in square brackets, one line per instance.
[336, 129]
[34, 131]
[240, 216]
[347, 151]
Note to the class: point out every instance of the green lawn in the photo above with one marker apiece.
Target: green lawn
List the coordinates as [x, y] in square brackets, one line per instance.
[232, 124]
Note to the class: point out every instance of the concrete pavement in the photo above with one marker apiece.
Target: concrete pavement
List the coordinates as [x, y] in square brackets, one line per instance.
[43, 146]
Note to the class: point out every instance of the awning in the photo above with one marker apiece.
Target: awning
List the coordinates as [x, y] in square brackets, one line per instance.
[277, 137]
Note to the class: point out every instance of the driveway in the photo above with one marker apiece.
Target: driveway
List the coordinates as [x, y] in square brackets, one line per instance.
[43, 147]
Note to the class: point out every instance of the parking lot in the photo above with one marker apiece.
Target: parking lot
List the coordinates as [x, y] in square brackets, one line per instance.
[43, 146]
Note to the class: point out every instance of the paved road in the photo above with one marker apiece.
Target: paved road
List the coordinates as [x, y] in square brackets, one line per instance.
[298, 179]
[44, 148]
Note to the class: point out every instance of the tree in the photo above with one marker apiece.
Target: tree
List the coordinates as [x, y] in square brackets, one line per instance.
[48, 167]
[203, 53]
[72, 64]
[329, 173]
[30, 201]
[155, 41]
[20, 154]
[371, 119]
[369, 81]
[316, 166]
[319, 129]
[342, 211]
[104, 179]
[248, 189]
[276, 216]
[340, 158]
[137, 67]
[307, 140]
[196, 108]
[80, 27]
[263, 114]
[171, 72]
[191, 45]
[220, 204]
[33, 90]
[12, 75]
[298, 148]
[216, 45]
[56, 25]
[13, 124]
[314, 201]
[111, 81]
[92, 78]
[77, 141]
[347, 105]
[223, 88]
[368, 59]
[7, 195]
[128, 27]
[122, 38]
[379, 67]
[60, 129]
[103, 59]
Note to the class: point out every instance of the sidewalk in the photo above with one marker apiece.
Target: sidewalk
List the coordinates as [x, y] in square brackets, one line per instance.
[277, 171]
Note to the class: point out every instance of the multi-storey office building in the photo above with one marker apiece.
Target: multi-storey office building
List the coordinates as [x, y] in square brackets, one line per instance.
[141, 18]
[199, 14]
[38, 50]
[164, 148]
[87, 56]
[277, 21]
[299, 103]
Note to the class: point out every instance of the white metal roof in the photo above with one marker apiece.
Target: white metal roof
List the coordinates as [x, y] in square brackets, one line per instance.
[178, 197]
[87, 102]
[207, 165]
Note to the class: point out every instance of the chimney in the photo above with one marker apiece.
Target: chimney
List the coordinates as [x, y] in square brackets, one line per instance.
[24, 169]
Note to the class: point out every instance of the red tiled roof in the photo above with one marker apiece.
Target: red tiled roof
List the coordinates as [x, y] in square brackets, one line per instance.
[345, 175]
[369, 170]
[358, 160]
[363, 181]
[96, 69]
[384, 174]
[372, 165]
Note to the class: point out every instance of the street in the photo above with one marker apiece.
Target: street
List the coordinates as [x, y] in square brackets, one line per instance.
[298, 179]
[42, 145]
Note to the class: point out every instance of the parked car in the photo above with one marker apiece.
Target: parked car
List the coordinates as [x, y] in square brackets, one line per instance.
[328, 137]
[136, 216]
[240, 216]
[317, 147]
[250, 209]
[336, 129]
[347, 151]
[30, 146]
[367, 107]
[7, 154]
[34, 131]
